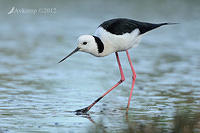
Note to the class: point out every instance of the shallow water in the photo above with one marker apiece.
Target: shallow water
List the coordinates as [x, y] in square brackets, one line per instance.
[37, 94]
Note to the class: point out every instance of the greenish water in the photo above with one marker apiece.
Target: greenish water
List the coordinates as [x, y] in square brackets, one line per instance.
[37, 94]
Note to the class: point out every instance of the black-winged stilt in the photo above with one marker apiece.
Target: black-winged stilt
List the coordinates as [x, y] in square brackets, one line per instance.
[114, 36]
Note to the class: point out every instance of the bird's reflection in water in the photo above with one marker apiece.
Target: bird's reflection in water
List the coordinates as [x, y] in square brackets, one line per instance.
[182, 122]
[97, 126]
[87, 116]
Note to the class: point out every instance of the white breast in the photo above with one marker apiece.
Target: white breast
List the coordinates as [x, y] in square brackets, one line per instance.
[115, 43]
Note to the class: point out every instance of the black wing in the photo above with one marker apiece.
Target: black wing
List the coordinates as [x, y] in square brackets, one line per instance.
[120, 26]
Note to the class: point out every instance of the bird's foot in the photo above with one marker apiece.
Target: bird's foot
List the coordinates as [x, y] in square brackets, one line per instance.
[82, 111]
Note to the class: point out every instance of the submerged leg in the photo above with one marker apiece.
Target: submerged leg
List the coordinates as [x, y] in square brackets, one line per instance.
[85, 110]
[133, 82]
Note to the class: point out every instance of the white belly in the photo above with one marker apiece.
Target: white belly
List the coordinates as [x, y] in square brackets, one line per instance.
[115, 43]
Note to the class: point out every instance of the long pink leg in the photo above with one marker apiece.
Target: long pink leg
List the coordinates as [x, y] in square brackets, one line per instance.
[133, 82]
[85, 110]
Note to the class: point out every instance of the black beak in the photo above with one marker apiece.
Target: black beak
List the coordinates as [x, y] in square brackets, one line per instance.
[77, 49]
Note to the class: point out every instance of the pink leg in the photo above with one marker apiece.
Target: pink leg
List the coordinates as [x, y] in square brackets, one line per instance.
[85, 110]
[133, 82]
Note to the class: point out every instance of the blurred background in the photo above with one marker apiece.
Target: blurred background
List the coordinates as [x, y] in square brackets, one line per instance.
[37, 94]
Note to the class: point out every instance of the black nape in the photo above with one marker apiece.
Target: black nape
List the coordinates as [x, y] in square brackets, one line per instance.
[100, 44]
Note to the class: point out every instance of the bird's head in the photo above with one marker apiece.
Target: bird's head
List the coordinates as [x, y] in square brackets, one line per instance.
[86, 43]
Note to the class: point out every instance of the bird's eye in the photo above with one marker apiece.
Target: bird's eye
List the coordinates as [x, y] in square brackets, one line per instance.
[84, 43]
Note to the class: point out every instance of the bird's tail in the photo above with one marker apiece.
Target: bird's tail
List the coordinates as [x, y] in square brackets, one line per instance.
[167, 24]
[151, 26]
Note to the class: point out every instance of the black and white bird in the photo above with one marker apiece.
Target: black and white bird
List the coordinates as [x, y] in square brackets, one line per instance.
[113, 36]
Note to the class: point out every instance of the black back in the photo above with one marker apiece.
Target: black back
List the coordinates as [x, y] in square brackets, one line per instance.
[120, 26]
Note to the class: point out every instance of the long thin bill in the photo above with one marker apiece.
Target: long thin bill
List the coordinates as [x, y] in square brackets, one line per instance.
[77, 49]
